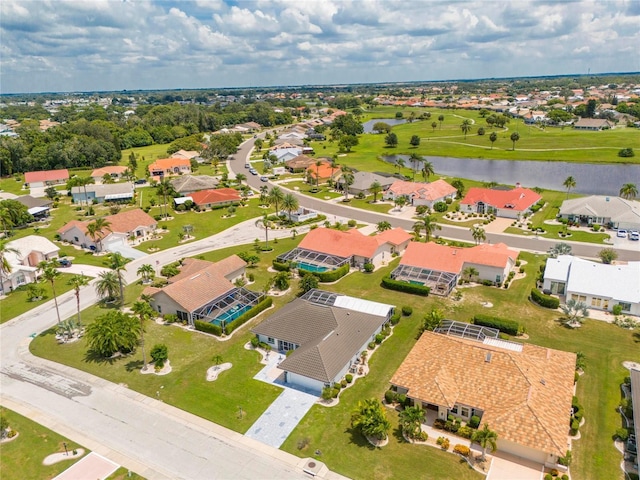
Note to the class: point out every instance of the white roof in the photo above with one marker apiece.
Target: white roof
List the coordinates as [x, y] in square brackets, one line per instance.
[28, 244]
[616, 208]
[618, 282]
[558, 268]
[181, 200]
[507, 345]
[364, 306]
[36, 210]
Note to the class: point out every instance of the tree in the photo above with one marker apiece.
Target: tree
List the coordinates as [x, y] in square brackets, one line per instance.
[147, 272]
[371, 419]
[107, 179]
[391, 140]
[16, 214]
[107, 285]
[400, 164]
[428, 224]
[281, 280]
[515, 136]
[569, 183]
[381, 127]
[375, 188]
[6, 220]
[465, 127]
[240, 177]
[50, 193]
[97, 230]
[347, 142]
[77, 282]
[560, 249]
[440, 119]
[265, 223]
[83, 182]
[432, 320]
[159, 355]
[415, 140]
[5, 266]
[34, 292]
[400, 201]
[608, 255]
[275, 197]
[411, 420]
[113, 332]
[383, 226]
[469, 273]
[347, 181]
[165, 189]
[459, 186]
[492, 138]
[264, 195]
[117, 264]
[308, 281]
[318, 165]
[486, 438]
[427, 169]
[433, 126]
[629, 191]
[144, 312]
[575, 312]
[478, 234]
[414, 158]
[290, 204]
[49, 273]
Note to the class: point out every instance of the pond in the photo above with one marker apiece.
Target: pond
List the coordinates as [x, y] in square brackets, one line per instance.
[368, 126]
[591, 178]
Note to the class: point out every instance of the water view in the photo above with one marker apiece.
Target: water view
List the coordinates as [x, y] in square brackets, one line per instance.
[368, 126]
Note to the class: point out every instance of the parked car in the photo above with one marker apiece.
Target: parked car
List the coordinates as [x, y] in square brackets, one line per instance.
[622, 233]
[264, 179]
[634, 235]
[247, 165]
[65, 262]
[140, 181]
[253, 171]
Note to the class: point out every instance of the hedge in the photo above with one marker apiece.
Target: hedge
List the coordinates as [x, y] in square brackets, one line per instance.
[544, 300]
[248, 315]
[332, 275]
[391, 284]
[506, 326]
[208, 328]
[281, 266]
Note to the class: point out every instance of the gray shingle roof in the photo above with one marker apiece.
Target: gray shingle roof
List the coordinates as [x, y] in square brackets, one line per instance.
[194, 183]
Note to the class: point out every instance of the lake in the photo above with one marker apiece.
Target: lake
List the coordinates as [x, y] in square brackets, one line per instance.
[368, 126]
[591, 178]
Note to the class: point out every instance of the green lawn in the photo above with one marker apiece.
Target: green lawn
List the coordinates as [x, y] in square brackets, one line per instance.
[23, 456]
[124, 474]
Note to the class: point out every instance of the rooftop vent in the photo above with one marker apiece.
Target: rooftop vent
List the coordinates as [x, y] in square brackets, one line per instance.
[487, 357]
[542, 381]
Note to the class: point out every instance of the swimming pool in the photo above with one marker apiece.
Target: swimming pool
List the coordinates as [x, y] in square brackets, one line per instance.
[310, 267]
[231, 314]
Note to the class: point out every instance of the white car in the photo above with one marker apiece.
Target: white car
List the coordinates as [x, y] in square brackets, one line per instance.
[622, 233]
[634, 235]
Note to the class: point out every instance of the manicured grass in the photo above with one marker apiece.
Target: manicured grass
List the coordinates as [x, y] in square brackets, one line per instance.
[146, 156]
[11, 185]
[366, 204]
[303, 187]
[23, 456]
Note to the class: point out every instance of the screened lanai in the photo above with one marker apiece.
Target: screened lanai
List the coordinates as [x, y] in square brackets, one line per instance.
[227, 307]
[467, 330]
[312, 261]
[441, 283]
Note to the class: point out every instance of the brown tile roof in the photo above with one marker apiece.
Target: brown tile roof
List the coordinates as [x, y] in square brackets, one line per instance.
[46, 176]
[443, 258]
[526, 396]
[427, 191]
[299, 162]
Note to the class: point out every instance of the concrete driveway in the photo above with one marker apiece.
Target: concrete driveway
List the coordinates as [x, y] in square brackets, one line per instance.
[510, 467]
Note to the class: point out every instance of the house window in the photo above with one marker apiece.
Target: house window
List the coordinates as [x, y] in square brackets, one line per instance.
[454, 410]
[76, 239]
[159, 309]
[464, 412]
[271, 340]
[557, 288]
[578, 298]
[596, 302]
[626, 307]
[184, 316]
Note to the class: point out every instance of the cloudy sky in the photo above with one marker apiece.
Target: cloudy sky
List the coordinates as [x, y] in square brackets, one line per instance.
[59, 45]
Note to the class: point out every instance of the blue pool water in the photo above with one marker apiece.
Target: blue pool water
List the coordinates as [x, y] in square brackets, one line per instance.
[230, 315]
[310, 267]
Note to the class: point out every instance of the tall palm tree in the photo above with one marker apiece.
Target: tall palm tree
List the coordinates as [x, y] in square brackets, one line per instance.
[466, 127]
[375, 188]
[629, 191]
[492, 138]
[264, 194]
[146, 271]
[569, 183]
[428, 224]
[49, 273]
[97, 230]
[83, 182]
[290, 204]
[265, 223]
[347, 181]
[144, 312]
[6, 219]
[318, 165]
[441, 119]
[400, 164]
[77, 282]
[165, 188]
[117, 264]
[427, 169]
[414, 158]
[515, 136]
[478, 234]
[486, 438]
[5, 266]
[275, 197]
[107, 285]
[240, 177]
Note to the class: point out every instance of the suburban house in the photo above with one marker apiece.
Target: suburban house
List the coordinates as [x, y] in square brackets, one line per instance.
[285, 152]
[325, 249]
[293, 136]
[362, 181]
[326, 332]
[417, 193]
[31, 250]
[502, 203]
[216, 198]
[599, 285]
[323, 172]
[46, 178]
[593, 124]
[132, 224]
[251, 126]
[167, 167]
[300, 163]
[440, 266]
[115, 171]
[187, 184]
[38, 207]
[204, 291]
[103, 192]
[522, 391]
[614, 212]
[186, 154]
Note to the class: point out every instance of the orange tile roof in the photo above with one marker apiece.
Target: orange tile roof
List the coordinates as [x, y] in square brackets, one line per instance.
[123, 222]
[395, 236]
[221, 195]
[346, 244]
[427, 191]
[46, 176]
[526, 396]
[169, 163]
[117, 169]
[443, 258]
[520, 198]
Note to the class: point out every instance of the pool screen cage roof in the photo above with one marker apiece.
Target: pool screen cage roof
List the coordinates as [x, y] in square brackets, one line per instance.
[441, 283]
[218, 306]
[320, 297]
[467, 330]
[316, 258]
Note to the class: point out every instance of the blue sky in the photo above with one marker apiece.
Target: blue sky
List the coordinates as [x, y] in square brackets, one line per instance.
[59, 45]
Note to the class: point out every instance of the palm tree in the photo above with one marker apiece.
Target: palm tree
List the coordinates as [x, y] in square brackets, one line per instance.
[434, 125]
[370, 417]
[493, 137]
[470, 272]
[117, 263]
[441, 119]
[50, 274]
[77, 282]
[569, 183]
[240, 177]
[264, 194]
[515, 136]
[5, 266]
[276, 197]
[375, 188]
[265, 223]
[83, 182]
[318, 165]
[290, 204]
[428, 224]
[486, 438]
[629, 191]
[347, 181]
[382, 226]
[575, 311]
[414, 158]
[144, 312]
[466, 127]
[410, 420]
[427, 169]
[165, 188]
[400, 164]
[5, 219]
[478, 234]
[107, 285]
[146, 271]
[97, 230]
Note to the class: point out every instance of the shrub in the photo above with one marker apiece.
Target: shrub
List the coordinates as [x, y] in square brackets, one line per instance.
[576, 376]
[440, 207]
[554, 472]
[617, 309]
[379, 338]
[352, 223]
[369, 267]
[474, 422]
[390, 396]
[465, 432]
[622, 434]
[575, 426]
[371, 345]
[543, 300]
[565, 477]
[507, 326]
[445, 443]
[395, 318]
[407, 310]
[461, 450]
[487, 283]
[566, 460]
[548, 476]
[521, 270]
[208, 328]
[333, 275]
[281, 266]
[327, 393]
[335, 392]
[251, 277]
[389, 283]
[159, 354]
[255, 342]
[421, 209]
[438, 423]
[626, 153]
[248, 315]
[343, 383]
[348, 377]
[170, 318]
[401, 398]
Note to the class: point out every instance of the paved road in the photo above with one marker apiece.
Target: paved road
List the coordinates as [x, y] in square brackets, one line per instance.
[143, 434]
[631, 252]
